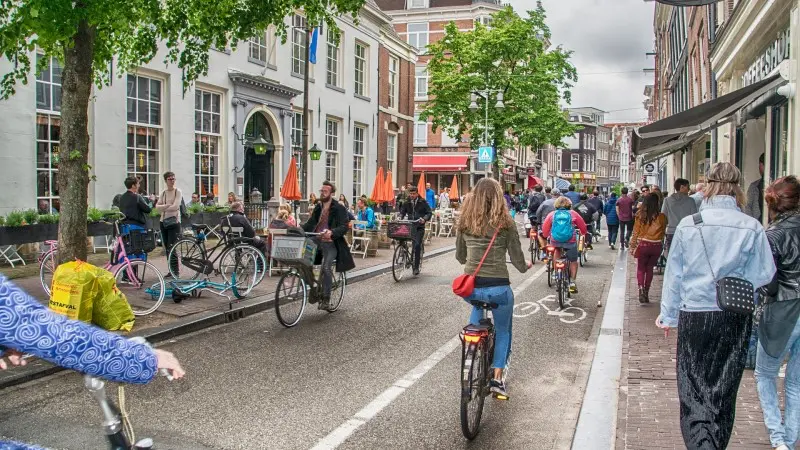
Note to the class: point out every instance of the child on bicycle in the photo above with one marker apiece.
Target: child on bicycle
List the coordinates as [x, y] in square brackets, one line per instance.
[559, 227]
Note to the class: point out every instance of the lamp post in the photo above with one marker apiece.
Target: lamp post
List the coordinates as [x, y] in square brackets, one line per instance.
[473, 106]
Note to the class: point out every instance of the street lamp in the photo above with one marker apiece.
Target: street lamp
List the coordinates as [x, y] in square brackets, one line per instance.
[473, 106]
[260, 145]
[315, 153]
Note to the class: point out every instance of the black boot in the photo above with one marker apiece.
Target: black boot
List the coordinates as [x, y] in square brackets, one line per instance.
[647, 294]
[642, 295]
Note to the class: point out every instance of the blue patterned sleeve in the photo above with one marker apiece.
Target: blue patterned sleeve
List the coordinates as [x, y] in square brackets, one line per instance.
[29, 327]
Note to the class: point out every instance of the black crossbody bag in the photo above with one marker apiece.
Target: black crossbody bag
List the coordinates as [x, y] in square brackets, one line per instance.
[735, 295]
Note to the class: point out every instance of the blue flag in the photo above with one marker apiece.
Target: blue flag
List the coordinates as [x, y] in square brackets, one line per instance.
[312, 57]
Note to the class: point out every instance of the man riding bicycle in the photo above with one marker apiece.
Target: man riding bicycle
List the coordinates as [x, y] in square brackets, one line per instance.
[559, 227]
[534, 201]
[418, 210]
[547, 207]
[587, 212]
[331, 221]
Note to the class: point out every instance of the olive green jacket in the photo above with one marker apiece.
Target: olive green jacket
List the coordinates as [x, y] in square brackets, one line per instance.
[470, 249]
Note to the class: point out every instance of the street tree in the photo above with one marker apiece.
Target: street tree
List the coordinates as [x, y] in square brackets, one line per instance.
[511, 56]
[93, 39]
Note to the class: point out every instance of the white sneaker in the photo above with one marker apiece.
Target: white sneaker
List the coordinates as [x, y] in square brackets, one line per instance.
[782, 447]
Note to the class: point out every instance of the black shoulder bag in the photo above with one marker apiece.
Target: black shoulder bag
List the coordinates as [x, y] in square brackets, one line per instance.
[735, 295]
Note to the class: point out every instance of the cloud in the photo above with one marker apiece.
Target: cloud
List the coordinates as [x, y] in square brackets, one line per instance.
[609, 39]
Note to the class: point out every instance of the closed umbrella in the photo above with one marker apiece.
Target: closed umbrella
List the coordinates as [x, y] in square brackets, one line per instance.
[454, 189]
[377, 188]
[388, 192]
[291, 188]
[421, 185]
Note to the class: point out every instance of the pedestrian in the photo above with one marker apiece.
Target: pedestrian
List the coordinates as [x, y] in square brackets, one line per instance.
[755, 193]
[779, 327]
[625, 216]
[677, 207]
[485, 228]
[430, 196]
[612, 220]
[548, 193]
[717, 243]
[646, 242]
[444, 199]
[343, 201]
[231, 198]
[598, 205]
[698, 194]
[169, 205]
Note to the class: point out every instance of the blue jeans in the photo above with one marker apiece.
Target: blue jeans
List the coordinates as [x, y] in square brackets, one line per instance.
[504, 297]
[767, 369]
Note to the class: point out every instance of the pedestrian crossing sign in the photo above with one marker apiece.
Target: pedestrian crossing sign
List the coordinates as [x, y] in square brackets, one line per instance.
[486, 155]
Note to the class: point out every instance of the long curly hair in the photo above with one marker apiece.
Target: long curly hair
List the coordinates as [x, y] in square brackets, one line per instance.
[649, 210]
[485, 210]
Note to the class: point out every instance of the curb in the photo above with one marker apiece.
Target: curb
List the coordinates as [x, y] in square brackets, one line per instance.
[37, 369]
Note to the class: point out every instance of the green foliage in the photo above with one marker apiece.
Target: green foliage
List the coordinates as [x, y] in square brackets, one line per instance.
[511, 57]
[195, 208]
[48, 218]
[95, 215]
[30, 216]
[155, 213]
[617, 189]
[2, 221]
[216, 208]
[15, 219]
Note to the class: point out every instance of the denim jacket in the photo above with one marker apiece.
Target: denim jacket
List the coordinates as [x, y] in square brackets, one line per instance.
[736, 246]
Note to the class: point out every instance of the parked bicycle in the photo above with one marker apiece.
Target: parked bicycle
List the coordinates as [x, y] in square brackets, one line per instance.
[190, 258]
[402, 234]
[140, 281]
[302, 284]
[243, 279]
[477, 351]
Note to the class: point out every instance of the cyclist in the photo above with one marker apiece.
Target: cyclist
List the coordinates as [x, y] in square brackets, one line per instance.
[544, 209]
[418, 210]
[482, 215]
[587, 212]
[534, 201]
[331, 220]
[560, 226]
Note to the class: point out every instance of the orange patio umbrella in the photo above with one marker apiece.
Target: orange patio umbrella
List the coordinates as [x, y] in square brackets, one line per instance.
[377, 188]
[388, 192]
[421, 185]
[291, 188]
[454, 189]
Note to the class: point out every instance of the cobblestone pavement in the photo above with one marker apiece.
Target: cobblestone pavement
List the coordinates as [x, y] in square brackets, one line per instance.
[648, 410]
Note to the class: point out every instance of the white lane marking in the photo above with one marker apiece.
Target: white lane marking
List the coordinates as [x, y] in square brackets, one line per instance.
[336, 437]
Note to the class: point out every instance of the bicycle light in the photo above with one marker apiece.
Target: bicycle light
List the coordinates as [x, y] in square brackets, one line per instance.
[550, 249]
[560, 265]
[472, 338]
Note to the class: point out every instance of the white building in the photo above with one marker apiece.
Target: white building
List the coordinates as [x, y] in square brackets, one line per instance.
[144, 124]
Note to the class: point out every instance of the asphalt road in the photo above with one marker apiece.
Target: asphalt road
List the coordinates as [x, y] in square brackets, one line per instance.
[382, 372]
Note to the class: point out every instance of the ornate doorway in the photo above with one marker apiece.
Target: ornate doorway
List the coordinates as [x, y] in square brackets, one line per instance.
[258, 169]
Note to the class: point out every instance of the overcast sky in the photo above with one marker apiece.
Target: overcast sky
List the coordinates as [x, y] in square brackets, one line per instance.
[605, 36]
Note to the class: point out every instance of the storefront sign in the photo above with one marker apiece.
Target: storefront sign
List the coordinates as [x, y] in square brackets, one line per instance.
[531, 171]
[769, 60]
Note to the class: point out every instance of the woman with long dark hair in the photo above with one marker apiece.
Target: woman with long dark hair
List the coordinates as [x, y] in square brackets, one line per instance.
[484, 215]
[718, 242]
[648, 232]
[779, 326]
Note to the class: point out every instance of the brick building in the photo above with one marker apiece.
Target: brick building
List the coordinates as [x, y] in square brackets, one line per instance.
[420, 23]
[580, 159]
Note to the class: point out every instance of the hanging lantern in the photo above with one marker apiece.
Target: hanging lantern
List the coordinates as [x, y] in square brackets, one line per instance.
[315, 153]
[260, 146]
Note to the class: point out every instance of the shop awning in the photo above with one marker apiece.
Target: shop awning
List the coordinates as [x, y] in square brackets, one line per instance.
[680, 130]
[440, 162]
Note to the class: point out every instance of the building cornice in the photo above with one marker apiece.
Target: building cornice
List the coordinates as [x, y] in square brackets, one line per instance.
[443, 13]
[263, 83]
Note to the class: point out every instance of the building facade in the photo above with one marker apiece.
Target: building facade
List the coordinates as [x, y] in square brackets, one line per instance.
[144, 124]
[420, 23]
[579, 162]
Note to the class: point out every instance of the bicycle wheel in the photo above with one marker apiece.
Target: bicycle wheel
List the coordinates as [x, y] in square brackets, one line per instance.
[244, 275]
[142, 284]
[46, 270]
[291, 297]
[337, 290]
[550, 272]
[400, 262]
[562, 287]
[229, 257]
[189, 259]
[582, 257]
[473, 387]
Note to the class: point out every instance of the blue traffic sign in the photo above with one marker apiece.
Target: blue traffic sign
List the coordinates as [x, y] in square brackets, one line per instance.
[486, 155]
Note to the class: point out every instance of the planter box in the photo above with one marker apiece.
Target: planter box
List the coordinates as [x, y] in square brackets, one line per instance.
[28, 234]
[374, 242]
[383, 240]
[99, 229]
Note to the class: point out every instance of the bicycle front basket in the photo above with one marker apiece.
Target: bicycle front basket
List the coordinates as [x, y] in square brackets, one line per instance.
[138, 241]
[399, 230]
[297, 249]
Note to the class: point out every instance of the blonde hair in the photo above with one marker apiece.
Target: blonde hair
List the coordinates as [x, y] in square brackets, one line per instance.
[563, 202]
[283, 214]
[484, 210]
[723, 179]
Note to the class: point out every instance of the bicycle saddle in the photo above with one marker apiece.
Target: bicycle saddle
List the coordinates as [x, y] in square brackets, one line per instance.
[484, 305]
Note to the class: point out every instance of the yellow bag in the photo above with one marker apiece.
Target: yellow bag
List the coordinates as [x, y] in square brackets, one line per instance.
[74, 290]
[111, 309]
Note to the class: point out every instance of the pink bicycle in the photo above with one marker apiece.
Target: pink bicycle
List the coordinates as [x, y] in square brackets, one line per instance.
[140, 281]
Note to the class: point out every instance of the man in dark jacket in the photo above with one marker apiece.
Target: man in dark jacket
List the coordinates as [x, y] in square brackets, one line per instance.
[597, 204]
[587, 212]
[133, 205]
[239, 220]
[416, 210]
[534, 201]
[331, 221]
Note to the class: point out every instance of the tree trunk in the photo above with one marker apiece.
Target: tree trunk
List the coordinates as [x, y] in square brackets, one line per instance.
[73, 171]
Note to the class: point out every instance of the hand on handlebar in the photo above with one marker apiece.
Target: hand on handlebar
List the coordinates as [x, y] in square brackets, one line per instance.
[529, 264]
[14, 357]
[168, 362]
[421, 220]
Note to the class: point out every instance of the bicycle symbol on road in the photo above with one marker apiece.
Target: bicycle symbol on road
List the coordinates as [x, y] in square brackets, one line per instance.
[570, 314]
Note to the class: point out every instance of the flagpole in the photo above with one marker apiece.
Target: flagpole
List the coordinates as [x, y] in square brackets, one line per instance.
[306, 119]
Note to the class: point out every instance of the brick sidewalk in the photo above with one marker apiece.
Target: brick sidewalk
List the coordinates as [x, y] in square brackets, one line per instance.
[648, 410]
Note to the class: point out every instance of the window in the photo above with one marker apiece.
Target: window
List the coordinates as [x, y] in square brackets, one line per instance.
[262, 47]
[575, 163]
[48, 132]
[420, 131]
[422, 82]
[558, 164]
[359, 136]
[331, 150]
[297, 131]
[144, 130]
[484, 20]
[207, 137]
[361, 70]
[418, 36]
[391, 154]
[448, 141]
[334, 56]
[418, 3]
[299, 36]
[394, 86]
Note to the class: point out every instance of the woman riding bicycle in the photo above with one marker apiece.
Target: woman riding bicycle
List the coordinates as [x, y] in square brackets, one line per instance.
[484, 214]
[559, 227]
